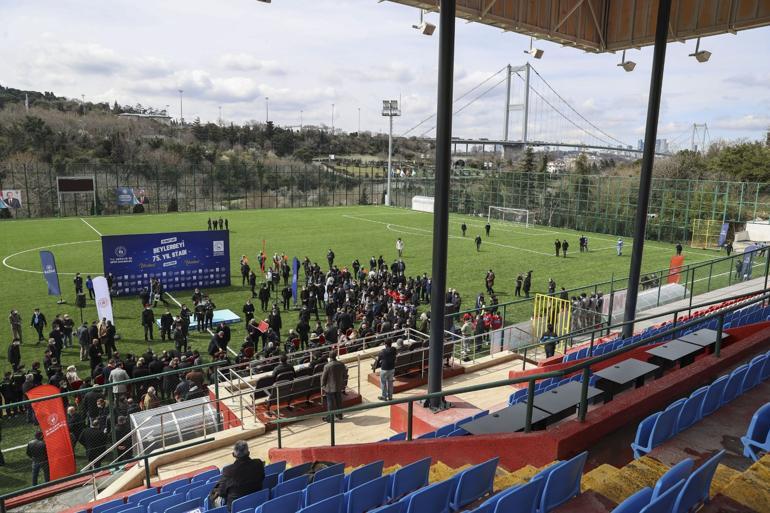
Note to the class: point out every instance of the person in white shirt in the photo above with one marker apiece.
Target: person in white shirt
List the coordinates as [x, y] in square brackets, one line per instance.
[619, 246]
[400, 247]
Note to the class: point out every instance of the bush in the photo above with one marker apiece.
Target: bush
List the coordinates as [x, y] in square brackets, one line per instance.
[173, 206]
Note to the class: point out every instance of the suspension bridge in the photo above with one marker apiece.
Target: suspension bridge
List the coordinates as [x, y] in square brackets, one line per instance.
[533, 114]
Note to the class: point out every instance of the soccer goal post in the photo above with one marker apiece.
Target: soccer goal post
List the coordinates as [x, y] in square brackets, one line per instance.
[511, 215]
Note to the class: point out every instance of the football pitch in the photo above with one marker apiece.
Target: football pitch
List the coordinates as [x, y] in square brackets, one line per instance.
[352, 232]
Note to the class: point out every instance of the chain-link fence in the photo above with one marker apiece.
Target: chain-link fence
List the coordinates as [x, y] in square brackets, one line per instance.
[591, 203]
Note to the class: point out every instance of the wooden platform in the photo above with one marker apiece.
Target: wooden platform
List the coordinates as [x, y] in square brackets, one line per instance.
[415, 378]
[425, 420]
[316, 404]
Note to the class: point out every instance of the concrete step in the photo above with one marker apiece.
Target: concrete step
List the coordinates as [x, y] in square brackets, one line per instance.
[752, 487]
[505, 479]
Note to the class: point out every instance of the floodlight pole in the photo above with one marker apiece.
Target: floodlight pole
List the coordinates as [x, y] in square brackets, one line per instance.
[648, 156]
[390, 158]
[446, 52]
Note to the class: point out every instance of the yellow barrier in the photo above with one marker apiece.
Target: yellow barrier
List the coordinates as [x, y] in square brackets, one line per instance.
[551, 310]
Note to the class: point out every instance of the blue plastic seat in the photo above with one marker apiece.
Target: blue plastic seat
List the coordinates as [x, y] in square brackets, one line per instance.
[766, 369]
[364, 474]
[754, 374]
[397, 436]
[202, 491]
[295, 484]
[679, 472]
[325, 488]
[221, 509]
[296, 471]
[136, 497]
[664, 502]
[431, 499]
[480, 414]
[695, 491]
[173, 485]
[288, 503]
[160, 505]
[459, 423]
[134, 509]
[734, 385]
[409, 478]
[518, 499]
[251, 501]
[444, 430]
[713, 399]
[182, 490]
[143, 503]
[367, 496]
[205, 476]
[331, 470]
[582, 353]
[690, 413]
[563, 483]
[429, 434]
[104, 506]
[458, 432]
[662, 429]
[472, 484]
[184, 507]
[275, 468]
[634, 503]
[757, 437]
[396, 507]
[333, 504]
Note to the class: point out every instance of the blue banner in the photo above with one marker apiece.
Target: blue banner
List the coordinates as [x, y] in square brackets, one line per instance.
[49, 273]
[723, 234]
[125, 197]
[294, 278]
[748, 261]
[182, 260]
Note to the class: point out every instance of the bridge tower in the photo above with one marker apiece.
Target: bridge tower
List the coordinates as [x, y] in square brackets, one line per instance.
[700, 137]
[524, 106]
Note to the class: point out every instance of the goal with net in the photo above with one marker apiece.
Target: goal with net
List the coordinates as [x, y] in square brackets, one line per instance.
[511, 215]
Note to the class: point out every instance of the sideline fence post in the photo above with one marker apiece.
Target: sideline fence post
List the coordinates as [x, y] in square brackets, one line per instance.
[409, 421]
[331, 426]
[530, 405]
[216, 397]
[718, 344]
[280, 444]
[767, 266]
[583, 406]
[147, 472]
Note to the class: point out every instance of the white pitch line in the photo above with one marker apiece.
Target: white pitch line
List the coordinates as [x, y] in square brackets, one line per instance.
[173, 299]
[91, 226]
[9, 266]
[389, 225]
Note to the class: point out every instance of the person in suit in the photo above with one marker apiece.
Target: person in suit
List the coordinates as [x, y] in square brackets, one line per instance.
[244, 476]
[148, 320]
[333, 381]
[39, 323]
[10, 201]
[36, 451]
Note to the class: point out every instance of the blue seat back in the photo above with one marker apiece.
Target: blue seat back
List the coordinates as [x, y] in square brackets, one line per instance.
[205, 476]
[409, 478]
[397, 436]
[635, 503]
[459, 423]
[429, 434]
[221, 509]
[325, 488]
[696, 489]
[182, 490]
[690, 413]
[160, 505]
[370, 495]
[734, 385]
[173, 485]
[396, 507]
[270, 481]
[754, 374]
[186, 506]
[251, 501]
[766, 368]
[758, 433]
[665, 502]
[202, 491]
[104, 506]
[275, 468]
[295, 484]
[135, 509]
[679, 472]
[331, 470]
[431, 499]
[644, 430]
[518, 499]
[713, 399]
[473, 483]
[563, 483]
[445, 430]
[364, 474]
[480, 414]
[136, 497]
[458, 432]
[333, 504]
[296, 471]
[288, 503]
[143, 503]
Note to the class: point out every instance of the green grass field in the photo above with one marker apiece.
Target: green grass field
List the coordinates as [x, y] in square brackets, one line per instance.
[351, 232]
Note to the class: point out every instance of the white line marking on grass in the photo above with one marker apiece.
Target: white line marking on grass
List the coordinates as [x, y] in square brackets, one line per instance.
[173, 299]
[9, 266]
[389, 226]
[91, 226]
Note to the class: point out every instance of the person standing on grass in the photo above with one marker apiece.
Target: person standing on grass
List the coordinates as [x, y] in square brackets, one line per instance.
[619, 247]
[84, 340]
[221, 223]
[39, 323]
[490, 281]
[678, 248]
[478, 243]
[564, 248]
[463, 228]
[245, 270]
[209, 224]
[333, 380]
[227, 225]
[78, 281]
[400, 247]
[166, 322]
[519, 283]
[95, 354]
[36, 451]
[248, 311]
[557, 245]
[14, 355]
[551, 287]
[330, 258]
[487, 227]
[729, 247]
[527, 283]
[386, 361]
[90, 287]
[14, 318]
[148, 319]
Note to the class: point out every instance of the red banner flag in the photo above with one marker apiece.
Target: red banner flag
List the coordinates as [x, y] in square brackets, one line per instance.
[262, 326]
[52, 418]
[675, 268]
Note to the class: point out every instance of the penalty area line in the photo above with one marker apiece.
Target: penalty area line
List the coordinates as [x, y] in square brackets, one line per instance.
[92, 227]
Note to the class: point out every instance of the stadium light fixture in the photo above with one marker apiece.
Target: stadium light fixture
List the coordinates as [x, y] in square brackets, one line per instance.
[700, 55]
[264, 1]
[626, 65]
[537, 53]
[390, 109]
[424, 27]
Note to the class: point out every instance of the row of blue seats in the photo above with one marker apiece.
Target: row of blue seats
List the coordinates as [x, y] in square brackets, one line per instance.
[444, 431]
[520, 396]
[683, 413]
[680, 490]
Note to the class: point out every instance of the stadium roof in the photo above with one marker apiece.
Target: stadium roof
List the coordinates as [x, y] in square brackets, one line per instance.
[609, 25]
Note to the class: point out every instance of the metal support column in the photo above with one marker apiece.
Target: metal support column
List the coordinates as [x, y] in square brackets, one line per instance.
[645, 179]
[508, 72]
[526, 104]
[441, 206]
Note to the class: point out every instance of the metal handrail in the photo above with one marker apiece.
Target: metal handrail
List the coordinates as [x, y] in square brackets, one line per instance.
[113, 446]
[584, 366]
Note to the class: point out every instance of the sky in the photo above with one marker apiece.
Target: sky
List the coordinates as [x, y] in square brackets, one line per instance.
[307, 55]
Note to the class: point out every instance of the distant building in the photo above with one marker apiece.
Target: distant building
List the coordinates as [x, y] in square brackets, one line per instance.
[661, 145]
[556, 167]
